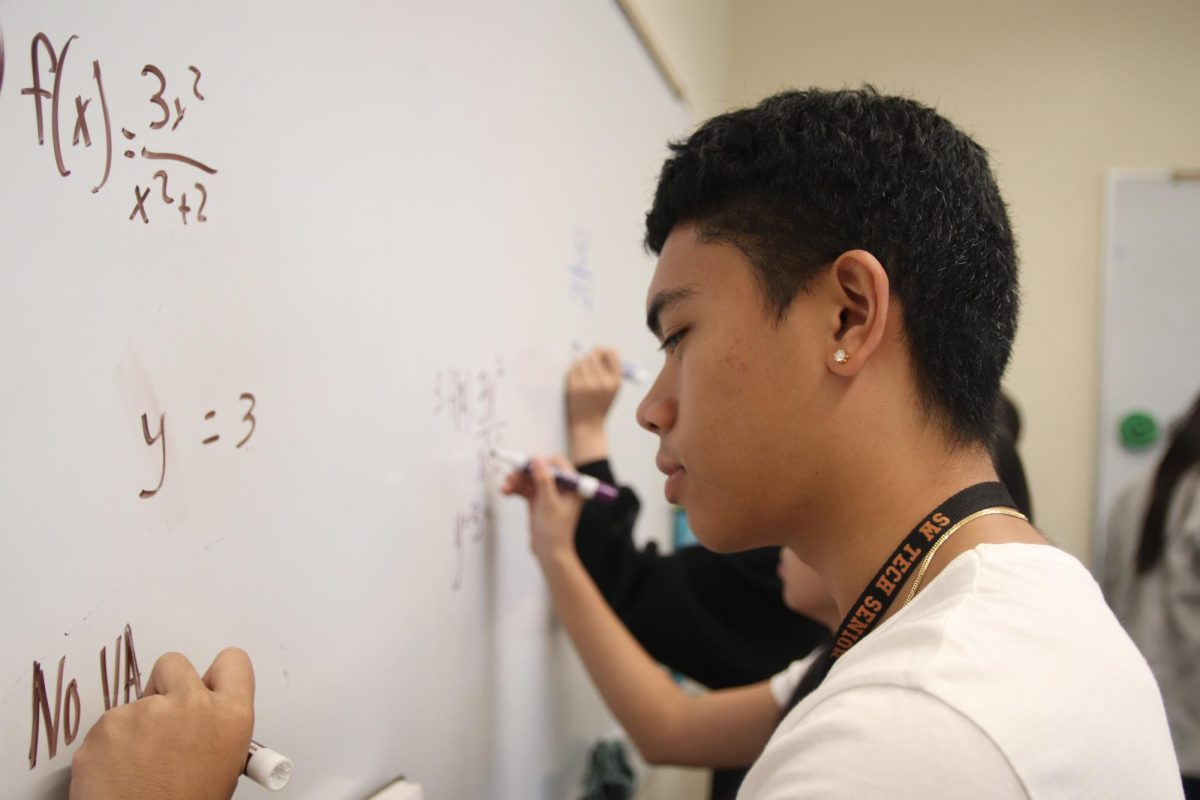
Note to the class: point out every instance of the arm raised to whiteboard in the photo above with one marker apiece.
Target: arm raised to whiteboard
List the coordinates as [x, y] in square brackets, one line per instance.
[727, 728]
[593, 381]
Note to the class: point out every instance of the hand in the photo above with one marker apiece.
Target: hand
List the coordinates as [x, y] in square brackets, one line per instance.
[553, 512]
[187, 738]
[592, 385]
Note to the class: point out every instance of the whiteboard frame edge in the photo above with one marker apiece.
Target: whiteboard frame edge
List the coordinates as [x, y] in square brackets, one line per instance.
[1113, 177]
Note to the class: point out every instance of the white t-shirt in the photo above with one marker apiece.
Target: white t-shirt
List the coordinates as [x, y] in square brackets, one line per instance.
[1006, 677]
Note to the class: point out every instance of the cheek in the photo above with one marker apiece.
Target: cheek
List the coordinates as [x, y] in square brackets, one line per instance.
[732, 362]
[735, 391]
[732, 429]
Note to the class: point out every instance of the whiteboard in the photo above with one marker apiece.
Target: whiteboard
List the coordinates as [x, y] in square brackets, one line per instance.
[378, 230]
[1151, 319]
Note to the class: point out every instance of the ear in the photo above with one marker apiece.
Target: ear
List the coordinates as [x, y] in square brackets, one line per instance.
[861, 291]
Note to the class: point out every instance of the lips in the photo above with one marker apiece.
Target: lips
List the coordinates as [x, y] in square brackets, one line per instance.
[675, 474]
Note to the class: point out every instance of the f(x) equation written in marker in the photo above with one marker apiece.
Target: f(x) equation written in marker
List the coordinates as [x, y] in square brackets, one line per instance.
[48, 65]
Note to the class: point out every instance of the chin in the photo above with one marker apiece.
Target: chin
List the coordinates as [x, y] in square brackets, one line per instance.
[720, 545]
[720, 538]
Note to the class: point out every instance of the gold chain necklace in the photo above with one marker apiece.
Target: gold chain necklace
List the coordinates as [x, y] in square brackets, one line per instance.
[1008, 512]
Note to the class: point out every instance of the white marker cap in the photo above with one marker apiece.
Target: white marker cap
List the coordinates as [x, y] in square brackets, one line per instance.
[268, 768]
[633, 372]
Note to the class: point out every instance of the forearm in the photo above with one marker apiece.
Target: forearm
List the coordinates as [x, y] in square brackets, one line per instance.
[721, 729]
[635, 688]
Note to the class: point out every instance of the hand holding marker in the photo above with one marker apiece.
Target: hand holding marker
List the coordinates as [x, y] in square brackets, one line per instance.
[585, 486]
[629, 370]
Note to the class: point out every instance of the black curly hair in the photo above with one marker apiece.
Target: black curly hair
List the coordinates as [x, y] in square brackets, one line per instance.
[805, 176]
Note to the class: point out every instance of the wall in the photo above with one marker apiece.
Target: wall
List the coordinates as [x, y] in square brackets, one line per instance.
[693, 38]
[1058, 92]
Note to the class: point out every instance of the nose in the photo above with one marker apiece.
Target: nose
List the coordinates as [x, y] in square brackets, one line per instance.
[658, 409]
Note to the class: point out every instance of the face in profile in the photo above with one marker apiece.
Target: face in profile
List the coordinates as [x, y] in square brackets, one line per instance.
[739, 401]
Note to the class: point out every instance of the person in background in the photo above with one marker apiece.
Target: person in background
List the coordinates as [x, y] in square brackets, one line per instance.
[1151, 578]
[728, 727]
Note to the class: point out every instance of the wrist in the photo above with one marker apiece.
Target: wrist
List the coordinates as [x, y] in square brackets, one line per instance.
[587, 443]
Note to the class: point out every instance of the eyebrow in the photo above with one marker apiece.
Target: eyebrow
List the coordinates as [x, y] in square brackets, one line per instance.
[662, 301]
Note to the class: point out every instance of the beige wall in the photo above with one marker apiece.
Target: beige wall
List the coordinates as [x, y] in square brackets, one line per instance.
[693, 38]
[1057, 90]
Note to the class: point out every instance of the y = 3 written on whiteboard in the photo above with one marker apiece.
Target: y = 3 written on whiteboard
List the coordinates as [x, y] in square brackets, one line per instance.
[249, 424]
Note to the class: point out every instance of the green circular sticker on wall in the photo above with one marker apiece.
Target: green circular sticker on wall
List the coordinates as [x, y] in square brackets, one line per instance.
[1138, 430]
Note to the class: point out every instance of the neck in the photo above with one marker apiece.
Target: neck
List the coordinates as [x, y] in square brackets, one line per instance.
[887, 501]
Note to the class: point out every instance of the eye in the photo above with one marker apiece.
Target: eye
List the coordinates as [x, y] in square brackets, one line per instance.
[671, 342]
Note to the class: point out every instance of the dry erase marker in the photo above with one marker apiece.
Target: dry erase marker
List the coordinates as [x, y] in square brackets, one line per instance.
[585, 486]
[267, 768]
[633, 372]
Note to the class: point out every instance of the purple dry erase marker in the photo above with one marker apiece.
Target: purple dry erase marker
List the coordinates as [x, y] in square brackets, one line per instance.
[585, 486]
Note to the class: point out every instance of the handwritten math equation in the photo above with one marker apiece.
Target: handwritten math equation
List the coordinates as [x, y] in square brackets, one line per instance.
[468, 401]
[88, 118]
[66, 716]
[247, 426]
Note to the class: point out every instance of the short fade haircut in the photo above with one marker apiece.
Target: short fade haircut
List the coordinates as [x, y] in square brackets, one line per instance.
[805, 176]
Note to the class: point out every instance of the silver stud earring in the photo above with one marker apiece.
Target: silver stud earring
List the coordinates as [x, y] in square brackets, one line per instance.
[841, 356]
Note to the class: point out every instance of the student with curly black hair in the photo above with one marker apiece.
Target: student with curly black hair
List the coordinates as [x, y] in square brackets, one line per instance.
[836, 294]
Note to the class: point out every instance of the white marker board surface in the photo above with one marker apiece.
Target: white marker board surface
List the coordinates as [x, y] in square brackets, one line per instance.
[1151, 324]
[332, 255]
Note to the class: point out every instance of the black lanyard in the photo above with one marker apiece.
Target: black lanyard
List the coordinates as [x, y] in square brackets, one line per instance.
[881, 592]
[877, 598]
